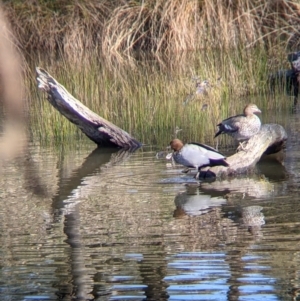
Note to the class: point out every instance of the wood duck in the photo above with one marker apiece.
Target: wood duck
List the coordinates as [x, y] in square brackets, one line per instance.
[196, 155]
[241, 127]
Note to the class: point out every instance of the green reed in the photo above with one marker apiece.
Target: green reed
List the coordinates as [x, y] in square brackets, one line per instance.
[147, 100]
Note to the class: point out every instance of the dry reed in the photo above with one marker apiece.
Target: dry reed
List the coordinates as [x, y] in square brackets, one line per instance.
[121, 30]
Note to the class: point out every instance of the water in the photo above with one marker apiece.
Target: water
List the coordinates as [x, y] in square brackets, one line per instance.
[83, 224]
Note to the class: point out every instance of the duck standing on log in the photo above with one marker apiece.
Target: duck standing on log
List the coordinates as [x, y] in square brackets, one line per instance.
[196, 155]
[241, 127]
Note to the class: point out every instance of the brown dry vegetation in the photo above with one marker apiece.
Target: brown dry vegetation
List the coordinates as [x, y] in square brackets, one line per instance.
[121, 30]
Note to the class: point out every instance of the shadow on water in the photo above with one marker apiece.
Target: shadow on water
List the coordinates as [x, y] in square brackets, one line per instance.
[273, 168]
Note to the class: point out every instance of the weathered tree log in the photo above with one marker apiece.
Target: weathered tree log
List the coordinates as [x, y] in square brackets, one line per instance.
[99, 130]
[269, 140]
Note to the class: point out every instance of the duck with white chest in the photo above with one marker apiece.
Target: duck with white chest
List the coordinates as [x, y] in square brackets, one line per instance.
[196, 155]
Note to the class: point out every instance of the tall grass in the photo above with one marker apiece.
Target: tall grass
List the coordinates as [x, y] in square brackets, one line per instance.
[132, 62]
[167, 29]
[149, 101]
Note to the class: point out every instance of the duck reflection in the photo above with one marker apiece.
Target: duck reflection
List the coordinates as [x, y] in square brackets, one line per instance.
[253, 219]
[194, 202]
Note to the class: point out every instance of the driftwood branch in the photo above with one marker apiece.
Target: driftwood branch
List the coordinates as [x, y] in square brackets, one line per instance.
[99, 130]
[269, 140]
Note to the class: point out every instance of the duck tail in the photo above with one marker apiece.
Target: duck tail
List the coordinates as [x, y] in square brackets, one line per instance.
[218, 133]
[216, 162]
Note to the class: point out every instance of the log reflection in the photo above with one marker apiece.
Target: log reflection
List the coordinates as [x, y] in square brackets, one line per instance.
[80, 285]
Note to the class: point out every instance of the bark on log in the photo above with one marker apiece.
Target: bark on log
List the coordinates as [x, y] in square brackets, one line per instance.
[269, 140]
[99, 130]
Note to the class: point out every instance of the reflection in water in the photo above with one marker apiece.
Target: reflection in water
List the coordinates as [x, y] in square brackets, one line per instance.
[99, 158]
[217, 276]
[253, 219]
[32, 178]
[193, 202]
[108, 232]
[80, 284]
[198, 276]
[273, 168]
[250, 187]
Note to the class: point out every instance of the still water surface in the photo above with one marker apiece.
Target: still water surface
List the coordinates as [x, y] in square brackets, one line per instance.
[78, 223]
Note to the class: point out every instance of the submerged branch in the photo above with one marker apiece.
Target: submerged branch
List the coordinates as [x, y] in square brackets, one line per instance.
[99, 130]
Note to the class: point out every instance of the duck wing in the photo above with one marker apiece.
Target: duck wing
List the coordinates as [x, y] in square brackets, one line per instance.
[230, 125]
[192, 155]
[232, 118]
[209, 151]
[205, 155]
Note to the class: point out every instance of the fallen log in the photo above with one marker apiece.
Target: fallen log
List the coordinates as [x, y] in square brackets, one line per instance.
[96, 128]
[269, 140]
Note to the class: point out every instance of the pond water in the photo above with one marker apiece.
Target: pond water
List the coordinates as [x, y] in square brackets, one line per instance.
[79, 223]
